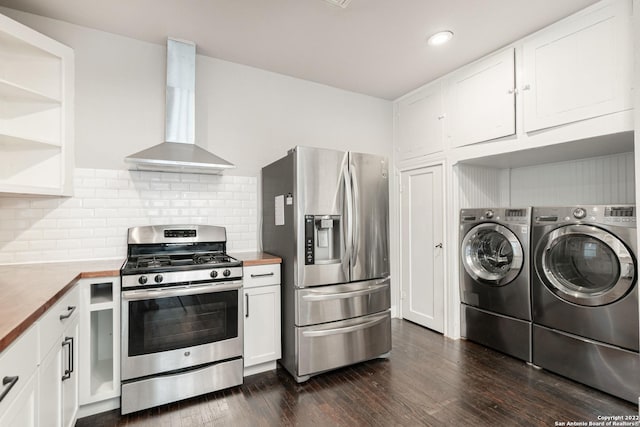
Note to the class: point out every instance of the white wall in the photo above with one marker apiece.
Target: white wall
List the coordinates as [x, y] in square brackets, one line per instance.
[246, 115]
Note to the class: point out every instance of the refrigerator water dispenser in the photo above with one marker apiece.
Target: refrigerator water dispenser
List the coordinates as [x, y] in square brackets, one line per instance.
[322, 239]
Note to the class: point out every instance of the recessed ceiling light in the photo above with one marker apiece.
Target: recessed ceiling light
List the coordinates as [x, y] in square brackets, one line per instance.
[341, 3]
[440, 38]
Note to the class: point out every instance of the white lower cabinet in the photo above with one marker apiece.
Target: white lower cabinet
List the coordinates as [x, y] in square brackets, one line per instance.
[19, 380]
[58, 391]
[23, 411]
[262, 344]
[100, 352]
[58, 371]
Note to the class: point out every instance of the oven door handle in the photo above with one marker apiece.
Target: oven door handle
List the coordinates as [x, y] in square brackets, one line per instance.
[179, 291]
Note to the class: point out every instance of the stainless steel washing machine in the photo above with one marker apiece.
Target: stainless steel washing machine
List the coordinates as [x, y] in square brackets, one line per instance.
[585, 296]
[494, 278]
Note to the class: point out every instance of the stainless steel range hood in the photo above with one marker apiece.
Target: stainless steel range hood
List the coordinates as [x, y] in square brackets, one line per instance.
[179, 153]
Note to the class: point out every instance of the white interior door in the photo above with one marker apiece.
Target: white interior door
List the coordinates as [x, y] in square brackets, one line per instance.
[422, 253]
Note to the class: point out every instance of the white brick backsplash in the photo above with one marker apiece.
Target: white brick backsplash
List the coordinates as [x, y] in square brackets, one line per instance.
[29, 213]
[42, 244]
[55, 234]
[106, 173]
[16, 203]
[80, 173]
[44, 203]
[170, 177]
[93, 223]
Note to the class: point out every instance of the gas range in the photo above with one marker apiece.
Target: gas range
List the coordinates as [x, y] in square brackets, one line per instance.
[181, 315]
[174, 254]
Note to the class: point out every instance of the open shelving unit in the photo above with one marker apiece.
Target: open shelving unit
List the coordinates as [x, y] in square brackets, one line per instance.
[100, 344]
[36, 112]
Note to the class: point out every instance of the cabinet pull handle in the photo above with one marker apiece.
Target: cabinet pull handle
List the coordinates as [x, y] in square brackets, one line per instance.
[526, 87]
[246, 297]
[8, 380]
[439, 245]
[68, 341]
[513, 91]
[71, 309]
[71, 353]
[262, 275]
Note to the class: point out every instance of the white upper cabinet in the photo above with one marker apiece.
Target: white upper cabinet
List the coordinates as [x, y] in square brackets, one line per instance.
[482, 100]
[419, 123]
[570, 81]
[578, 68]
[36, 112]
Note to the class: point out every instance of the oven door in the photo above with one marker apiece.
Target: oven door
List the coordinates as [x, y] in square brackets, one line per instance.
[179, 327]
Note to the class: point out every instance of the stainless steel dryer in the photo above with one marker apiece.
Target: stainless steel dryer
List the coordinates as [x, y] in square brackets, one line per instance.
[585, 296]
[494, 279]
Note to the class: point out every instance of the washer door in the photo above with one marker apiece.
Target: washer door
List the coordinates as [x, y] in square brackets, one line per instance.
[585, 265]
[492, 254]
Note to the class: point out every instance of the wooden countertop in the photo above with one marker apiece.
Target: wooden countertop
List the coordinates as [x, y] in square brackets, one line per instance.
[256, 258]
[28, 290]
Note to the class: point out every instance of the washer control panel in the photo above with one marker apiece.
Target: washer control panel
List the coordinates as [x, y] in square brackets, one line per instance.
[579, 213]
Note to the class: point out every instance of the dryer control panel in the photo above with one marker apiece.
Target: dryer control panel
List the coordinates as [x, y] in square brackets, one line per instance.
[623, 215]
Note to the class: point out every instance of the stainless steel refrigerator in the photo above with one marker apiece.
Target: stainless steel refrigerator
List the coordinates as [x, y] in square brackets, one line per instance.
[326, 214]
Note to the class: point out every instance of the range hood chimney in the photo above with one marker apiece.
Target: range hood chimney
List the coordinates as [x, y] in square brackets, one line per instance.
[179, 153]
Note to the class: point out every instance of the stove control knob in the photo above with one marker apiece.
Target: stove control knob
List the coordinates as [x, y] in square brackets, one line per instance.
[142, 280]
[226, 272]
[579, 213]
[488, 214]
[158, 278]
[214, 274]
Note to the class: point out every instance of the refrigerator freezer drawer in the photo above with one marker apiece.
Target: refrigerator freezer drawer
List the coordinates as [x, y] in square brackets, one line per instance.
[339, 302]
[332, 345]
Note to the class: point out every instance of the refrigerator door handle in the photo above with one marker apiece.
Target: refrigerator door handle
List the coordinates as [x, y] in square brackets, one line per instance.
[346, 329]
[355, 245]
[322, 296]
[348, 239]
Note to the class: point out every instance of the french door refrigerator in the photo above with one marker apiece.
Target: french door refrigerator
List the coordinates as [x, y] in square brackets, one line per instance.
[326, 214]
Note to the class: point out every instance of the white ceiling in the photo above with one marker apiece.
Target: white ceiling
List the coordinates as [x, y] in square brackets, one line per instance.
[374, 47]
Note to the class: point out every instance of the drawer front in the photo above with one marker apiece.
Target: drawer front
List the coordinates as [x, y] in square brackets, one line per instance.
[56, 319]
[17, 364]
[336, 344]
[322, 304]
[261, 275]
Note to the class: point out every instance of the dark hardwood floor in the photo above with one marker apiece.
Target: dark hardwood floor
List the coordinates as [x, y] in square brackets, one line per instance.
[428, 380]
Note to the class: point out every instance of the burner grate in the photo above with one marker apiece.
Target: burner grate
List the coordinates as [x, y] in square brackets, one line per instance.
[153, 261]
[210, 258]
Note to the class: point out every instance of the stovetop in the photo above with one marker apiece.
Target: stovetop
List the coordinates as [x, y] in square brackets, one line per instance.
[158, 263]
[168, 255]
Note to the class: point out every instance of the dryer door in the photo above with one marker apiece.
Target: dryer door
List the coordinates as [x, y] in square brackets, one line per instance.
[492, 254]
[585, 265]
